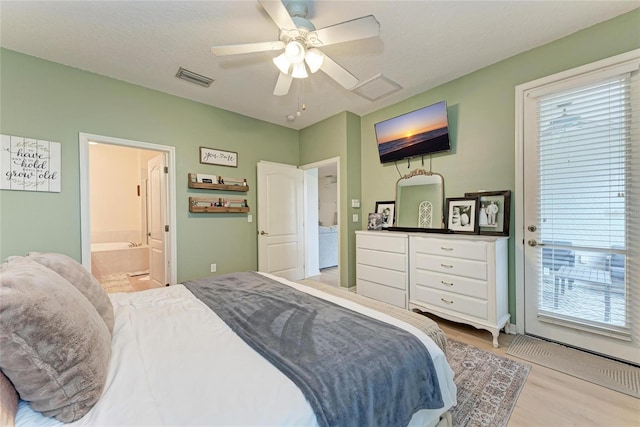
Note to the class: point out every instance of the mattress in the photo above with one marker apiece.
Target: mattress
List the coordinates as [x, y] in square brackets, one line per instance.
[175, 362]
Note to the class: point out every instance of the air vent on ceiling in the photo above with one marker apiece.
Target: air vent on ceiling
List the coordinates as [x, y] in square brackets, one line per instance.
[377, 87]
[192, 77]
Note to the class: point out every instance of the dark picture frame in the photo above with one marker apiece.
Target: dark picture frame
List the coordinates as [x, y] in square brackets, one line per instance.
[462, 215]
[494, 211]
[388, 211]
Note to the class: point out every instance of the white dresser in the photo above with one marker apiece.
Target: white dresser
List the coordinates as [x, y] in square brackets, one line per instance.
[463, 279]
[457, 277]
[382, 266]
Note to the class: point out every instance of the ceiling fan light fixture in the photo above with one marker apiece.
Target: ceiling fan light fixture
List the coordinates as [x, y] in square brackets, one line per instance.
[283, 63]
[299, 71]
[295, 51]
[314, 59]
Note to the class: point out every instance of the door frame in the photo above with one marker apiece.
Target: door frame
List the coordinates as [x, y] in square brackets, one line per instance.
[85, 206]
[309, 206]
[519, 203]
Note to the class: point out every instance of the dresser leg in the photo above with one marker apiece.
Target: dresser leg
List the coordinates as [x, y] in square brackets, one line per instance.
[495, 338]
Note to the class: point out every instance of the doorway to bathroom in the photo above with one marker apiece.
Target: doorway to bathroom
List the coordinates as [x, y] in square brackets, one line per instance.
[322, 217]
[127, 204]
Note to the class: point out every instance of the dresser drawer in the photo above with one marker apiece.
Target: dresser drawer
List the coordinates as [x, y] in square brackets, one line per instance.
[385, 242]
[390, 260]
[394, 279]
[456, 284]
[382, 293]
[451, 248]
[446, 300]
[452, 266]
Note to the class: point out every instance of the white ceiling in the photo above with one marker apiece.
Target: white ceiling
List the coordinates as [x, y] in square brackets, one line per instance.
[422, 44]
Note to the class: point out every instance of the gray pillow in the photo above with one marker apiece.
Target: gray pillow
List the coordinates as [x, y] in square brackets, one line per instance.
[55, 347]
[79, 277]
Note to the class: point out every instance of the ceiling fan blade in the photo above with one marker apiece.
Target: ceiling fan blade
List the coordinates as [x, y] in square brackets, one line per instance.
[235, 49]
[356, 29]
[338, 73]
[279, 14]
[282, 85]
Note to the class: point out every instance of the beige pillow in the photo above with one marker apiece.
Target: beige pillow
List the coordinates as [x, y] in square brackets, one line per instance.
[55, 347]
[79, 277]
[8, 402]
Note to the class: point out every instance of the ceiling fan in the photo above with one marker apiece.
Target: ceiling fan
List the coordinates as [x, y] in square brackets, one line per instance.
[300, 41]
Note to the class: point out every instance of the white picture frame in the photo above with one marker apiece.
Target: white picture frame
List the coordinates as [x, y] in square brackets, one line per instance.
[213, 156]
[28, 164]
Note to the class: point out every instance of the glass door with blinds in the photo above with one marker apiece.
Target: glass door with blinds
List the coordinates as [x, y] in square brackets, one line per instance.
[581, 210]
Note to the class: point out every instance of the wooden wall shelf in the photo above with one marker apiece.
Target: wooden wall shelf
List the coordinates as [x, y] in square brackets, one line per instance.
[207, 205]
[223, 187]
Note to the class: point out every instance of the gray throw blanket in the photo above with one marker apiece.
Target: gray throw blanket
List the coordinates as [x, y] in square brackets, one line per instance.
[354, 370]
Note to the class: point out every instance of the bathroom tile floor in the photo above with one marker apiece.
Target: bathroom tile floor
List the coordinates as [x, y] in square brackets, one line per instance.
[141, 283]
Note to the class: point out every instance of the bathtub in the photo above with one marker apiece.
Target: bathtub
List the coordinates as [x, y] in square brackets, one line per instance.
[110, 246]
[118, 257]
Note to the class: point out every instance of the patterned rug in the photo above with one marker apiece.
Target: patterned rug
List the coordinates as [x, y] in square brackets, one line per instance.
[488, 385]
[608, 373]
[118, 282]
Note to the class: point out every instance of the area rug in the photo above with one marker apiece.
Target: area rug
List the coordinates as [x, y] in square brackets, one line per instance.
[599, 370]
[116, 283]
[488, 385]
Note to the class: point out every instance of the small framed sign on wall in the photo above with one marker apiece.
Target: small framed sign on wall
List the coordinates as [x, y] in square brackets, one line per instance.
[211, 156]
[28, 164]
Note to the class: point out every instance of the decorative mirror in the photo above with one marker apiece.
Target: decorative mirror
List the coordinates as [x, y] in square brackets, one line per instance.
[420, 201]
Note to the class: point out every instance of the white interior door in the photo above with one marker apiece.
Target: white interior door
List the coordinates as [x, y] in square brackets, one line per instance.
[280, 220]
[158, 263]
[580, 264]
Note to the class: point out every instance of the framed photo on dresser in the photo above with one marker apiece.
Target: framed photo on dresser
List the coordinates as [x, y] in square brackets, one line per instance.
[388, 211]
[493, 212]
[462, 215]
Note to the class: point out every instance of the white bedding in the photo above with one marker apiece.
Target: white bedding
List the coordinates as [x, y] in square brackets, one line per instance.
[175, 362]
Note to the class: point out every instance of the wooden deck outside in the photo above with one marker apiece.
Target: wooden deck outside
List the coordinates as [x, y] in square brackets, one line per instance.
[589, 275]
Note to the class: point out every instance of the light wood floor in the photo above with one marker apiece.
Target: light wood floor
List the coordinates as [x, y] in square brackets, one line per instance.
[548, 398]
[328, 276]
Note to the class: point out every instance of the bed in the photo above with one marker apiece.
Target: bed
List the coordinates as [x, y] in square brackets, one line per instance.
[172, 360]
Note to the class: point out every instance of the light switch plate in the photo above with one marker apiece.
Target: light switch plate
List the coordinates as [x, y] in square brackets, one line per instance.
[355, 217]
[355, 203]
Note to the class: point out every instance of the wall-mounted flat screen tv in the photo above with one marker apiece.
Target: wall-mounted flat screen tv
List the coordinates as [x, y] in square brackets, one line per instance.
[417, 133]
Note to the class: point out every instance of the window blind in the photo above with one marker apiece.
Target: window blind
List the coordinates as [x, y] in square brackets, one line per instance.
[589, 191]
[588, 163]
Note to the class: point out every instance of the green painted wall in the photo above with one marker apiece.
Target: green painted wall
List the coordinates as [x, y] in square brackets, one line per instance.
[339, 136]
[481, 108]
[45, 100]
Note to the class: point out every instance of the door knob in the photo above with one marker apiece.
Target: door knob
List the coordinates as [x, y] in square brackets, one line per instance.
[262, 233]
[534, 243]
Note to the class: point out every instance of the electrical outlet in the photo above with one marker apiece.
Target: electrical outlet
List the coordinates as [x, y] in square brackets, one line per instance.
[355, 218]
[213, 268]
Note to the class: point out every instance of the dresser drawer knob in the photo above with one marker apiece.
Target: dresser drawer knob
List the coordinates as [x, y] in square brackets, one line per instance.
[446, 301]
[446, 265]
[446, 283]
[446, 249]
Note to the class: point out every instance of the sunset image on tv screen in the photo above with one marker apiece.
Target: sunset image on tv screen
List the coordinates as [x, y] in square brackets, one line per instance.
[418, 132]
